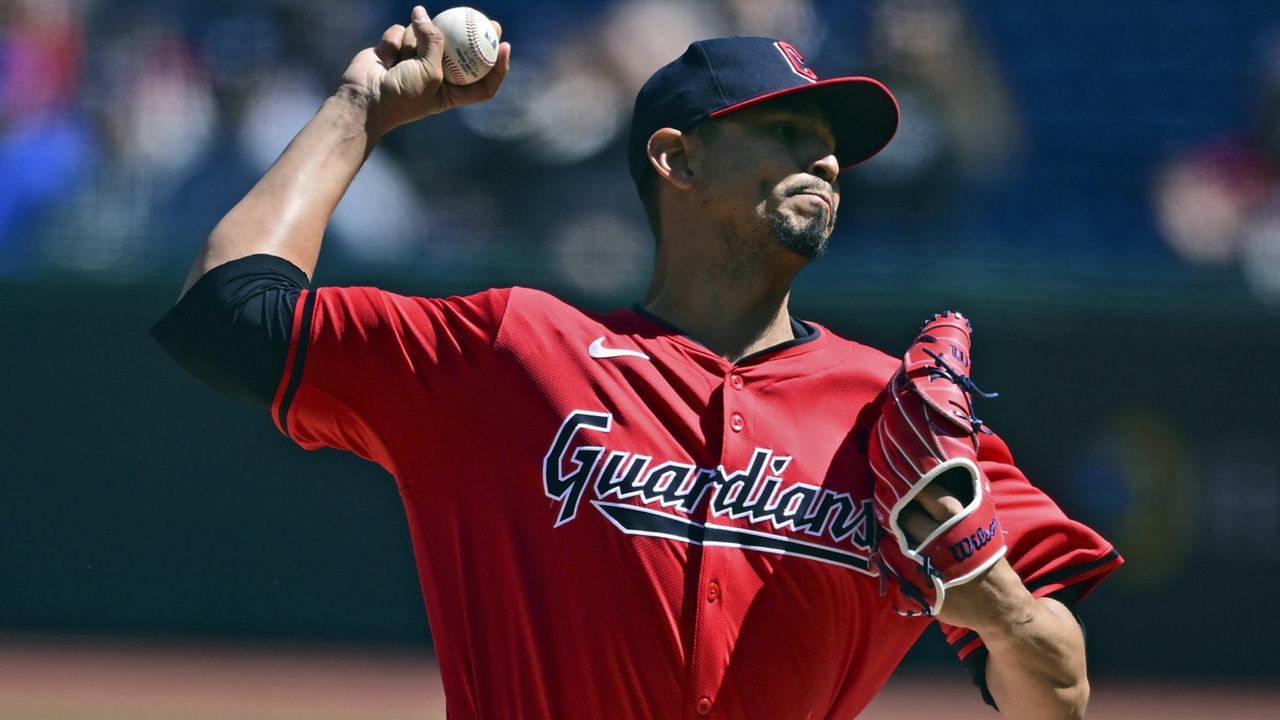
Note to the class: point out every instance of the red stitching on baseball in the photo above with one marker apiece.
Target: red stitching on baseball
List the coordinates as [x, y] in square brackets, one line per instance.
[474, 37]
[451, 67]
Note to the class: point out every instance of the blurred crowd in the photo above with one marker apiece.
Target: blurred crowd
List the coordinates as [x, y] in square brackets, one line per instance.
[1218, 202]
[128, 127]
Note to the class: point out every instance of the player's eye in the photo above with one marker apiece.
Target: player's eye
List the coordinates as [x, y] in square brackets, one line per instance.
[783, 129]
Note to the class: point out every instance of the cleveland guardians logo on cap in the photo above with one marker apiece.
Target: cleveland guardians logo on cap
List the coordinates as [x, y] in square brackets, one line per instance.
[795, 60]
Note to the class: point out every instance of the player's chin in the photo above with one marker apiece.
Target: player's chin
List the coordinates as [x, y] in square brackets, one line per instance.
[806, 236]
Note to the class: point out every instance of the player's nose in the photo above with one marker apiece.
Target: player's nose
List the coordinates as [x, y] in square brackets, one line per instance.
[825, 165]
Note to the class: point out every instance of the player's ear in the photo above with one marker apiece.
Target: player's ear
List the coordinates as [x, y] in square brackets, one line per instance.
[669, 156]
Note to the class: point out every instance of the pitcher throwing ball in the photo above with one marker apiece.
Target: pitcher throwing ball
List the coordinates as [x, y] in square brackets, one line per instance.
[697, 506]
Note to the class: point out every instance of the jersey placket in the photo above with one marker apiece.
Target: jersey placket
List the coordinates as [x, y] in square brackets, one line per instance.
[713, 636]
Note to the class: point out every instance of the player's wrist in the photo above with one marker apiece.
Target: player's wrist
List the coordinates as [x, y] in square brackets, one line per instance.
[995, 604]
[356, 107]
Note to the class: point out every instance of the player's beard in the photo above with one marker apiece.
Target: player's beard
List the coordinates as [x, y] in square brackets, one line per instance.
[805, 237]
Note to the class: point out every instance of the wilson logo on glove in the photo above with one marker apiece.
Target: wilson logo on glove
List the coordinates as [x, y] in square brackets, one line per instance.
[975, 542]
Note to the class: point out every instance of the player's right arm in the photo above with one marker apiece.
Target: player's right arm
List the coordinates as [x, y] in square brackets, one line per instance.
[399, 81]
[234, 321]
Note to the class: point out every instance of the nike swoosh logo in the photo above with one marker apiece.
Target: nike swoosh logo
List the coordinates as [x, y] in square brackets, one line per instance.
[598, 351]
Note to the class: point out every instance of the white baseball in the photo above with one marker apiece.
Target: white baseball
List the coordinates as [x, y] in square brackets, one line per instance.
[470, 44]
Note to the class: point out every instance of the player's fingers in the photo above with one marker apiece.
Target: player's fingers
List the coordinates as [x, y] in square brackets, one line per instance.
[487, 86]
[916, 523]
[389, 47]
[497, 27]
[945, 496]
[428, 40]
[501, 66]
[408, 43]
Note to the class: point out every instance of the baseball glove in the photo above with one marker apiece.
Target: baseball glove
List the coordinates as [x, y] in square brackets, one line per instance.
[927, 432]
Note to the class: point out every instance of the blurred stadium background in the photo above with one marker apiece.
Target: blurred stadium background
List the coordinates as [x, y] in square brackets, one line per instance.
[1105, 176]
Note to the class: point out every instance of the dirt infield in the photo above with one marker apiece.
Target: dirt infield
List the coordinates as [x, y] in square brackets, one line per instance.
[60, 680]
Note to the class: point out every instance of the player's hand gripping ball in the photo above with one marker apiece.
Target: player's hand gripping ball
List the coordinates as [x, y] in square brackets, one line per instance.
[470, 44]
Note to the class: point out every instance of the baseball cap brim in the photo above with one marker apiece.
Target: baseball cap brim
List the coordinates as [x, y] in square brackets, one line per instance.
[862, 112]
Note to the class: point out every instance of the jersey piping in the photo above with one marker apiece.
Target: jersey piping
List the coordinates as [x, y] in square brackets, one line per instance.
[297, 362]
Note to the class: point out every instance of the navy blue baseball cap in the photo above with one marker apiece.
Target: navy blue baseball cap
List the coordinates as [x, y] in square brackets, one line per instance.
[716, 77]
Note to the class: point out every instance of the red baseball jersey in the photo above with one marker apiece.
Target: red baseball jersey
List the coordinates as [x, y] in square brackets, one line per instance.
[612, 521]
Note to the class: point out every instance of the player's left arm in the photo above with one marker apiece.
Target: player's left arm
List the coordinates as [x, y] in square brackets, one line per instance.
[968, 539]
[1035, 654]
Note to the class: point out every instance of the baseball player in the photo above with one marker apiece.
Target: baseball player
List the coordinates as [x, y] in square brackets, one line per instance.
[698, 506]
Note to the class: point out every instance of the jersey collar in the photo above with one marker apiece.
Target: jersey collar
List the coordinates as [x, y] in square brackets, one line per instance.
[804, 333]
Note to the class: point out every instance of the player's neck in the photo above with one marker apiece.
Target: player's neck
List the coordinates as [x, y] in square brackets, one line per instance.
[734, 317]
[730, 334]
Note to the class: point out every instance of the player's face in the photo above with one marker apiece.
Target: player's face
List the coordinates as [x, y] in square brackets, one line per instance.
[773, 168]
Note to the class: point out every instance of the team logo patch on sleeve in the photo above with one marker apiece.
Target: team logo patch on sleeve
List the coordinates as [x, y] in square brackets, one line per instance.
[642, 495]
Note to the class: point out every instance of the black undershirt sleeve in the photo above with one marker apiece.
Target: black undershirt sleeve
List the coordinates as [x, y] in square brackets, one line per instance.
[232, 328]
[976, 662]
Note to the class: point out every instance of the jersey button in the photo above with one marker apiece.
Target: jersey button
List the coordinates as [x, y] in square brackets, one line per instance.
[704, 706]
[713, 591]
[736, 382]
[736, 422]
